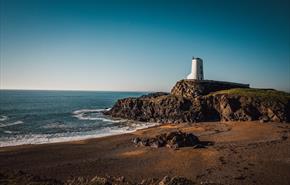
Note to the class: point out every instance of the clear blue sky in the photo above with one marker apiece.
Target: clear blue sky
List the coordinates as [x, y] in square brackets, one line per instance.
[142, 45]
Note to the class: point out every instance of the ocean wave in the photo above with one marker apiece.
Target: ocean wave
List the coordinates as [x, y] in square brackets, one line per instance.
[55, 125]
[95, 114]
[10, 124]
[83, 117]
[30, 139]
[7, 132]
[3, 118]
[89, 110]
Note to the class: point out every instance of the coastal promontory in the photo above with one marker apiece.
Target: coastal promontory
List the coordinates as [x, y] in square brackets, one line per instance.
[206, 100]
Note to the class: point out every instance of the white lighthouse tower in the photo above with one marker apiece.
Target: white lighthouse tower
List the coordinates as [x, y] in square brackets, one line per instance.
[196, 69]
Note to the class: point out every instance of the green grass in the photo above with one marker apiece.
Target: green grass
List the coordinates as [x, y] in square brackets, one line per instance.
[268, 94]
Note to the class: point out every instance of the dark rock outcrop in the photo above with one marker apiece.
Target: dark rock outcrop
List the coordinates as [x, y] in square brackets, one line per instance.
[172, 140]
[175, 181]
[245, 108]
[122, 181]
[165, 108]
[189, 102]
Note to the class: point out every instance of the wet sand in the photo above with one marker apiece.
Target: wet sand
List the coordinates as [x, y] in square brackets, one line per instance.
[243, 153]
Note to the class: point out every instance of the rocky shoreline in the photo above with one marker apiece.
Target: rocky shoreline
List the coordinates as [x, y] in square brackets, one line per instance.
[200, 101]
[21, 177]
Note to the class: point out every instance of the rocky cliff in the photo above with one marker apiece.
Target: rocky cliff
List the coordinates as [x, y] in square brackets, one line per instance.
[192, 88]
[191, 101]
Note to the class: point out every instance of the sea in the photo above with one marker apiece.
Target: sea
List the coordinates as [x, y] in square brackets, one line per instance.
[37, 117]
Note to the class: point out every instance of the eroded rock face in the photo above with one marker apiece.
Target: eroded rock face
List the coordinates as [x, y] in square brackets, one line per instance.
[184, 104]
[164, 108]
[241, 108]
[193, 88]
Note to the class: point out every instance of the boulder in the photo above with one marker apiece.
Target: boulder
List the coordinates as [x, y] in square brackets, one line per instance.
[180, 181]
[99, 181]
[173, 140]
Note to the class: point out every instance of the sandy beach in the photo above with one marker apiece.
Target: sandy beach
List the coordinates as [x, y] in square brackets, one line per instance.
[242, 153]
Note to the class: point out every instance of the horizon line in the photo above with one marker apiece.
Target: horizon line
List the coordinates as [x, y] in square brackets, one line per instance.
[86, 90]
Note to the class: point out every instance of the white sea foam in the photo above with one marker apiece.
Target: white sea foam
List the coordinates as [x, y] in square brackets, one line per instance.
[65, 137]
[55, 125]
[8, 132]
[3, 118]
[95, 114]
[84, 117]
[10, 124]
[89, 110]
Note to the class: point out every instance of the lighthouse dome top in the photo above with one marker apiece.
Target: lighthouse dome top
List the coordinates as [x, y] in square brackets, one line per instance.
[196, 58]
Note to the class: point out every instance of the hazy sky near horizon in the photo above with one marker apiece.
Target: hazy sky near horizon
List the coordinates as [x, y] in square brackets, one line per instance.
[142, 45]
